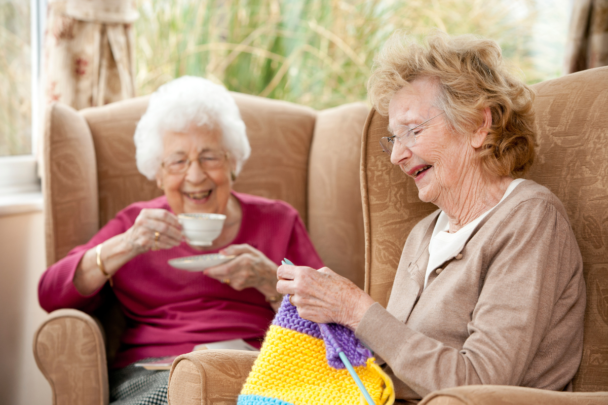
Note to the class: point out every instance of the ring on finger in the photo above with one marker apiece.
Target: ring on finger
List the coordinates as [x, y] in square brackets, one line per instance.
[156, 238]
[226, 281]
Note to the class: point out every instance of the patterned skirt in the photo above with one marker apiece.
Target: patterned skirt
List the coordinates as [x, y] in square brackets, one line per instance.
[137, 386]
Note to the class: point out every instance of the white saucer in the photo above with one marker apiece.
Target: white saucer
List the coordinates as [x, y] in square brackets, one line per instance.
[199, 262]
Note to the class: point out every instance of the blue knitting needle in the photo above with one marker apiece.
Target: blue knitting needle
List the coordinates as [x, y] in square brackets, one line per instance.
[343, 357]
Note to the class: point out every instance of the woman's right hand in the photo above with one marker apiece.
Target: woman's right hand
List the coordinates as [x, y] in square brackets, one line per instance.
[141, 237]
[118, 250]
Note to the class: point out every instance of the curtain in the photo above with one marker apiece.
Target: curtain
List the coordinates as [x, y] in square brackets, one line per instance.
[88, 52]
[588, 37]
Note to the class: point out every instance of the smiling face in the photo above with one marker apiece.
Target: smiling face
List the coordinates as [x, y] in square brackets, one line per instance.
[199, 189]
[440, 160]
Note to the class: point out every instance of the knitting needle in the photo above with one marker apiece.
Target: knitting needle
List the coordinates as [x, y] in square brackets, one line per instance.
[343, 357]
[346, 362]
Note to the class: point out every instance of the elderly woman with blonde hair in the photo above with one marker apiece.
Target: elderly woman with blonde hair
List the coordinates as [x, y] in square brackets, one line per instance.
[489, 288]
[192, 142]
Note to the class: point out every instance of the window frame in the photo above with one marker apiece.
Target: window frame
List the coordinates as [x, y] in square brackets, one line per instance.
[18, 173]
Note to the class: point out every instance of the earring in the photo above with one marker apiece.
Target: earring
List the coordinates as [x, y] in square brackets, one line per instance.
[232, 175]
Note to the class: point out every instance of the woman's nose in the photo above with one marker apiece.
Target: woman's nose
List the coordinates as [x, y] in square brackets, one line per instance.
[399, 153]
[195, 173]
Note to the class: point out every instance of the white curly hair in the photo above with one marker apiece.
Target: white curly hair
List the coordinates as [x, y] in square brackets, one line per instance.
[180, 103]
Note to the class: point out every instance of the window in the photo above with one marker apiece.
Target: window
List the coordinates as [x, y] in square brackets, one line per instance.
[550, 33]
[20, 35]
[15, 78]
[321, 53]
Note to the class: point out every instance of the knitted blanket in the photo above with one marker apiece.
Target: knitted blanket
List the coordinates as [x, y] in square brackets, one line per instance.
[299, 364]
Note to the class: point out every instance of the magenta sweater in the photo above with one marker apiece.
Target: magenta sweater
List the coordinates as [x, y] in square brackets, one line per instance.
[169, 311]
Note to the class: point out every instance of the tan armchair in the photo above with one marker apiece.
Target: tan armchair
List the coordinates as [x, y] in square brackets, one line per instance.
[305, 157]
[572, 161]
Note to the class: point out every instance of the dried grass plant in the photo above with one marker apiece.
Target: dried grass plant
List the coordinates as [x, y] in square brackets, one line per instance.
[312, 52]
[318, 52]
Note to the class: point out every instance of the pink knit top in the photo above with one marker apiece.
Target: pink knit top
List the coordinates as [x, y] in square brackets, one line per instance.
[169, 311]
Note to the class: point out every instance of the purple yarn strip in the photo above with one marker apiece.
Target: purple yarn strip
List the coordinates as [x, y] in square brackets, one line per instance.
[288, 318]
[338, 337]
[335, 336]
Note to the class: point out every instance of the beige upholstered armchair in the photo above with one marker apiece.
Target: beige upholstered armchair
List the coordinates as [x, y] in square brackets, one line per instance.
[572, 125]
[305, 157]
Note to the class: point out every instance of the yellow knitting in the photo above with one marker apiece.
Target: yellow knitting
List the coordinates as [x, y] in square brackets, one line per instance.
[293, 369]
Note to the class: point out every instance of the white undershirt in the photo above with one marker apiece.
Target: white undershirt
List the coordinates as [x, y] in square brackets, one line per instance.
[445, 246]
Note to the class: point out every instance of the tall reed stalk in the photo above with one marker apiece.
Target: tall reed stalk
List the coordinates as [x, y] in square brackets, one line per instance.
[317, 52]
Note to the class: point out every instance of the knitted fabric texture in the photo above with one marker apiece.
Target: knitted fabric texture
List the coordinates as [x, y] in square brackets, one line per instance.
[299, 365]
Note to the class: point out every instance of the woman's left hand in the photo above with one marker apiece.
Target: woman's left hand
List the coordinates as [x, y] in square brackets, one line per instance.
[322, 296]
[250, 268]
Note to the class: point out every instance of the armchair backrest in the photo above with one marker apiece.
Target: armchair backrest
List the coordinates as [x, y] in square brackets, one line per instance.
[572, 161]
[305, 157]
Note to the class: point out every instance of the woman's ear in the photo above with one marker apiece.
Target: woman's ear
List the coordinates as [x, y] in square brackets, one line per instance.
[232, 170]
[159, 180]
[480, 135]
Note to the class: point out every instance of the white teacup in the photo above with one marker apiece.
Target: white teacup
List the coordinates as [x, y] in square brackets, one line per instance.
[201, 229]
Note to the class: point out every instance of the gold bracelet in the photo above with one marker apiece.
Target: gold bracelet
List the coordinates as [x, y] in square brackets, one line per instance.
[100, 265]
[274, 298]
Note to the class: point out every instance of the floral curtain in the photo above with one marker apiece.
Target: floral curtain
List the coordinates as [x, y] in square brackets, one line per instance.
[88, 52]
[588, 37]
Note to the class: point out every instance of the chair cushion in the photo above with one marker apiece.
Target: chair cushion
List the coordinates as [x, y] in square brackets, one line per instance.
[391, 208]
[209, 376]
[70, 193]
[120, 183]
[280, 134]
[69, 351]
[335, 218]
[505, 395]
[572, 127]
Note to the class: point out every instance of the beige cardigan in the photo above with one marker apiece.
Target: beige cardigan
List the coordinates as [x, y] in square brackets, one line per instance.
[509, 311]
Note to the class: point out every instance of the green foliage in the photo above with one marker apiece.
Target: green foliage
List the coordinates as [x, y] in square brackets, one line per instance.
[317, 52]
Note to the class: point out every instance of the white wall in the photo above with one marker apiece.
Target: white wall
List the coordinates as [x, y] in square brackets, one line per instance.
[22, 261]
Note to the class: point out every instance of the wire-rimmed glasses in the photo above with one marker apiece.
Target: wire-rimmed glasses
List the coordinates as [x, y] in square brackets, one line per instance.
[206, 161]
[408, 139]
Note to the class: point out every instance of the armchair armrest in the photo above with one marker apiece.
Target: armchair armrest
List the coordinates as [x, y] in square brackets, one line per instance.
[209, 376]
[508, 395]
[70, 352]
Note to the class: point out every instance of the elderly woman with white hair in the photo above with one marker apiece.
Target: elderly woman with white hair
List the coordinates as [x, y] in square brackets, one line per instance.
[192, 142]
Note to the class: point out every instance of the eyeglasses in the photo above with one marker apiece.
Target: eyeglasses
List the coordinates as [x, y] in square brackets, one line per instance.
[408, 139]
[206, 161]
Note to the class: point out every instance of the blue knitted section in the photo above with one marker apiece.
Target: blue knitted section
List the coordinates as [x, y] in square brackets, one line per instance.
[259, 400]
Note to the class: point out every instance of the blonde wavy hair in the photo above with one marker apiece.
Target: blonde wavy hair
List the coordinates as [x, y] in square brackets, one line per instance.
[472, 76]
